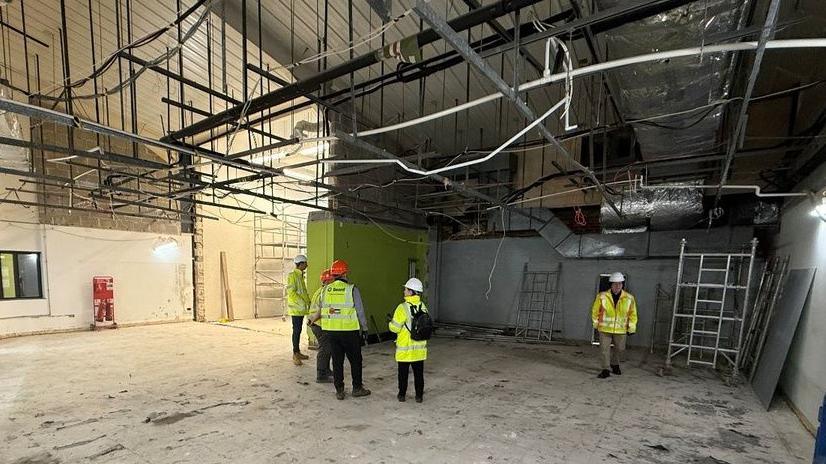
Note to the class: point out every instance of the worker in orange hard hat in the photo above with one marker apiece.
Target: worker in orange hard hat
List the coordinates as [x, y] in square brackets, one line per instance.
[323, 372]
[344, 323]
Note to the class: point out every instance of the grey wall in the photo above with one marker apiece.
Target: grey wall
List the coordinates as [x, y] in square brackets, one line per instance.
[465, 266]
[803, 238]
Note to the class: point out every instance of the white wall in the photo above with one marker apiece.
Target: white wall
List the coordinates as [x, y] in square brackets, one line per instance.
[149, 287]
[803, 238]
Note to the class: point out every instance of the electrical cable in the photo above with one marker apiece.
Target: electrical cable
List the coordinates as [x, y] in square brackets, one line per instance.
[383, 229]
[169, 54]
[367, 38]
[496, 257]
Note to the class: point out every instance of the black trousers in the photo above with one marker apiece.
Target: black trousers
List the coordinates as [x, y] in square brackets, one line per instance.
[298, 322]
[345, 344]
[323, 355]
[418, 377]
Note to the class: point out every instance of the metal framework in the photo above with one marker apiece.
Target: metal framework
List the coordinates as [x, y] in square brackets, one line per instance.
[707, 326]
[277, 239]
[536, 309]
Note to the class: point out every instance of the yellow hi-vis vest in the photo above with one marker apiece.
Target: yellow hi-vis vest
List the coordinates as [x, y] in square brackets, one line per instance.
[298, 301]
[407, 349]
[338, 309]
[621, 319]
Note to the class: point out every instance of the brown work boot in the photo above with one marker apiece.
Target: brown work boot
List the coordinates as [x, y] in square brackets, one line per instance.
[301, 356]
[297, 360]
[360, 391]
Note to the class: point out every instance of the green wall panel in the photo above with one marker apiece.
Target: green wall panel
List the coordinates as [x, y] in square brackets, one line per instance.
[378, 262]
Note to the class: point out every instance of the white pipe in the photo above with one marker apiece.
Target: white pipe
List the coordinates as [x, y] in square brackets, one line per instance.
[454, 166]
[755, 188]
[596, 68]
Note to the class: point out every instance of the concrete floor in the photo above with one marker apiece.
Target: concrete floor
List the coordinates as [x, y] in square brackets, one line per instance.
[202, 393]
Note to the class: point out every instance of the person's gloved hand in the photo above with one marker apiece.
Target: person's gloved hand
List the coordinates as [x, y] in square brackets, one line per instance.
[364, 338]
[631, 333]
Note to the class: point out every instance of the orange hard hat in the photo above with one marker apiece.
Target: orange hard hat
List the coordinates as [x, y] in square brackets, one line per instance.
[339, 268]
[326, 276]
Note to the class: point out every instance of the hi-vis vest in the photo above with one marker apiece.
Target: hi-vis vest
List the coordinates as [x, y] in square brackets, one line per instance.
[615, 320]
[298, 301]
[407, 349]
[338, 309]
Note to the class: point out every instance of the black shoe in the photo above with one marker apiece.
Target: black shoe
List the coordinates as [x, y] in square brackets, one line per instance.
[604, 374]
[324, 380]
[401, 398]
[360, 391]
[615, 369]
[340, 395]
[419, 399]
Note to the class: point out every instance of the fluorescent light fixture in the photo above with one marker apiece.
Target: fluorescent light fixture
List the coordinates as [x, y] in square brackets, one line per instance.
[164, 245]
[315, 149]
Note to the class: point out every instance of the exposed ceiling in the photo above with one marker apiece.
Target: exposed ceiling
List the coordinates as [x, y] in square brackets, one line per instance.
[784, 124]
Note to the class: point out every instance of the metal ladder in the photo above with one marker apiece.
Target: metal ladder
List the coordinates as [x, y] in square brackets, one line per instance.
[536, 308]
[707, 322]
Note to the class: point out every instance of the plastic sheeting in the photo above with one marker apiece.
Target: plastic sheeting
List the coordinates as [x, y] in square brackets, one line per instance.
[657, 208]
[661, 88]
[12, 157]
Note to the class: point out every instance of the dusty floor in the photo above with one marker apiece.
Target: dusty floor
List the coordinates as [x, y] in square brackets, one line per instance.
[204, 393]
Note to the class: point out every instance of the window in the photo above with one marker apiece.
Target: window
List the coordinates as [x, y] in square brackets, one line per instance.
[20, 275]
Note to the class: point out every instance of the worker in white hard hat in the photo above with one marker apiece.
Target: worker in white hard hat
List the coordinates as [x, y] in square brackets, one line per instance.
[614, 315]
[298, 304]
[412, 325]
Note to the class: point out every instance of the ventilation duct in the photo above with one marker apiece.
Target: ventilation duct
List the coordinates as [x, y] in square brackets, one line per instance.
[655, 209]
[660, 88]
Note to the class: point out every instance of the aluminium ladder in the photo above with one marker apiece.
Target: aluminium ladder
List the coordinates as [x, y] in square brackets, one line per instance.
[276, 240]
[536, 308]
[710, 327]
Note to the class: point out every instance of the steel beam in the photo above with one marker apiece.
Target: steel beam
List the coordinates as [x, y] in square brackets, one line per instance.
[461, 45]
[734, 141]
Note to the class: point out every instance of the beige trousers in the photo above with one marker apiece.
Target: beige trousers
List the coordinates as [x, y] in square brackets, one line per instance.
[611, 356]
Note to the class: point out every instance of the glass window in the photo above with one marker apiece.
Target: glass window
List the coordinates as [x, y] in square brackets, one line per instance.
[7, 275]
[20, 275]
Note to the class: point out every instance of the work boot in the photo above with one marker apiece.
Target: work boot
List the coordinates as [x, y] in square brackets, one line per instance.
[360, 391]
[419, 399]
[401, 398]
[615, 369]
[301, 356]
[297, 360]
[339, 394]
[604, 374]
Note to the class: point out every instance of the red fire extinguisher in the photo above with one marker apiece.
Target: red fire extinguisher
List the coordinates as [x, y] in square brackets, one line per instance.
[103, 299]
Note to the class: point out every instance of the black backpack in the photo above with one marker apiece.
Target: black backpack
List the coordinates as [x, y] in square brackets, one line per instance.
[421, 325]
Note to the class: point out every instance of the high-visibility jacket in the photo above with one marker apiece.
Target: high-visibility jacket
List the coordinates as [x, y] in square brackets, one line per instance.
[298, 301]
[407, 349]
[338, 308]
[315, 301]
[615, 320]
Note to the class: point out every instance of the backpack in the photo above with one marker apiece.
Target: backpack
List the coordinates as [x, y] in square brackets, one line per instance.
[421, 325]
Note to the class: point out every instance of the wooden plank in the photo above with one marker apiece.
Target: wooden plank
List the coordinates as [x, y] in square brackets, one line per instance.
[225, 285]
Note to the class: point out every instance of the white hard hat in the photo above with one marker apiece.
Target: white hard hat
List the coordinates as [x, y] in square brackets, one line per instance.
[616, 277]
[415, 285]
[300, 259]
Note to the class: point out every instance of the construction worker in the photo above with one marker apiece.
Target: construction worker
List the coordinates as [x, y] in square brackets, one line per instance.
[324, 373]
[298, 304]
[614, 315]
[409, 352]
[345, 325]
